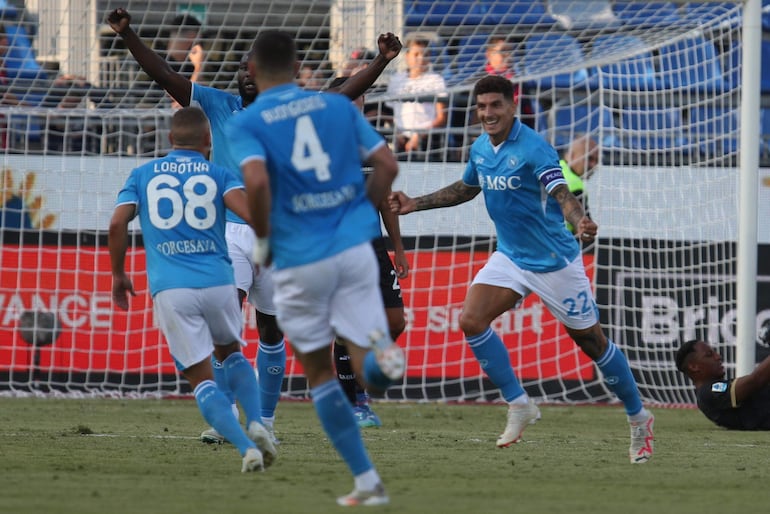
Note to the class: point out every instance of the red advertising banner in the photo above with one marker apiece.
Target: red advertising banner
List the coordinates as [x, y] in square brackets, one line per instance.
[74, 283]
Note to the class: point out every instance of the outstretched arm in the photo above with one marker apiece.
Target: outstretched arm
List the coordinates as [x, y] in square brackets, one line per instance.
[585, 228]
[453, 194]
[355, 86]
[177, 85]
[392, 226]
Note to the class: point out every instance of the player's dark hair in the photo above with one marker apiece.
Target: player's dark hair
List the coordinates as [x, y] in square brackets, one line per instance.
[494, 84]
[681, 355]
[274, 52]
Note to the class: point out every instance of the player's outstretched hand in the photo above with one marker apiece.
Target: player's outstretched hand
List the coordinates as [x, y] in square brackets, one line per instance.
[586, 229]
[121, 288]
[119, 20]
[389, 45]
[400, 203]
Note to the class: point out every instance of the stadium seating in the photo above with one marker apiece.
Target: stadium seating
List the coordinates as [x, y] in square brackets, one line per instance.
[548, 51]
[716, 130]
[567, 121]
[764, 133]
[652, 128]
[643, 14]
[636, 73]
[586, 14]
[691, 63]
[765, 77]
[705, 12]
[470, 58]
[484, 12]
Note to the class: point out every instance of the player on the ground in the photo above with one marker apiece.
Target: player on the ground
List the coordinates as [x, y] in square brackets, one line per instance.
[180, 200]
[741, 403]
[301, 155]
[253, 284]
[527, 199]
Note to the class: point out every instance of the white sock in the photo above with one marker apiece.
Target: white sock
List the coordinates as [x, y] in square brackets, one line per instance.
[642, 415]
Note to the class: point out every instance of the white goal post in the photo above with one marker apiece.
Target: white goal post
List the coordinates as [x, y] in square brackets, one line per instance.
[669, 90]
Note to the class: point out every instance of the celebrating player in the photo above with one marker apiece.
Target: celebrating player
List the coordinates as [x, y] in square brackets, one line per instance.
[219, 106]
[180, 200]
[301, 155]
[527, 198]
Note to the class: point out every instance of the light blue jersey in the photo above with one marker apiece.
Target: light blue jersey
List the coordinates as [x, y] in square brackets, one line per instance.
[516, 179]
[219, 106]
[180, 202]
[313, 146]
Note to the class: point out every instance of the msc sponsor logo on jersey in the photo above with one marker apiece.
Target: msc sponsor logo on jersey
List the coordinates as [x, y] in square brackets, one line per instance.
[719, 387]
[499, 182]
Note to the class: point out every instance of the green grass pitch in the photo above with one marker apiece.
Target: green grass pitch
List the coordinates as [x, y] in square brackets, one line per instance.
[143, 457]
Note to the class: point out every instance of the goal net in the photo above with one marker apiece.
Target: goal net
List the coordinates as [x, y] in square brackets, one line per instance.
[656, 85]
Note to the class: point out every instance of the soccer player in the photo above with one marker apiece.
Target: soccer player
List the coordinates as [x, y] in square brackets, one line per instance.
[390, 289]
[301, 155]
[742, 403]
[527, 199]
[180, 200]
[220, 106]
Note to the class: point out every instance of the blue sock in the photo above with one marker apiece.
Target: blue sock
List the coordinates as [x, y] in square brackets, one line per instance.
[216, 411]
[618, 377]
[340, 425]
[373, 374]
[271, 364]
[243, 383]
[219, 378]
[494, 360]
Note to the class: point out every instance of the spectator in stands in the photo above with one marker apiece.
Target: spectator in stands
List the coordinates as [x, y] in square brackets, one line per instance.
[183, 52]
[741, 403]
[309, 77]
[421, 110]
[359, 59]
[499, 54]
[579, 161]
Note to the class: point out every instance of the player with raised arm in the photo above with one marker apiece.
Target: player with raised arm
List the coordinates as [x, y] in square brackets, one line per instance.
[527, 199]
[254, 284]
[180, 200]
[301, 155]
[390, 288]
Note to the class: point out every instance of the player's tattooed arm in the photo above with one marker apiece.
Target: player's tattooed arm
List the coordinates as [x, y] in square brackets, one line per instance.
[574, 213]
[570, 206]
[453, 194]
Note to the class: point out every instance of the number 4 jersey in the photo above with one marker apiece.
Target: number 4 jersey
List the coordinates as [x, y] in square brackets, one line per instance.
[312, 145]
[180, 203]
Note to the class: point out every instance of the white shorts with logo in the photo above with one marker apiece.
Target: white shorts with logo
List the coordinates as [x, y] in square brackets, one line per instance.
[194, 320]
[567, 292]
[257, 284]
[339, 295]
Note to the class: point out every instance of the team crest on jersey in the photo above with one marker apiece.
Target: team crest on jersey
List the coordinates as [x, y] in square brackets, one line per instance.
[479, 160]
[513, 162]
[719, 387]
